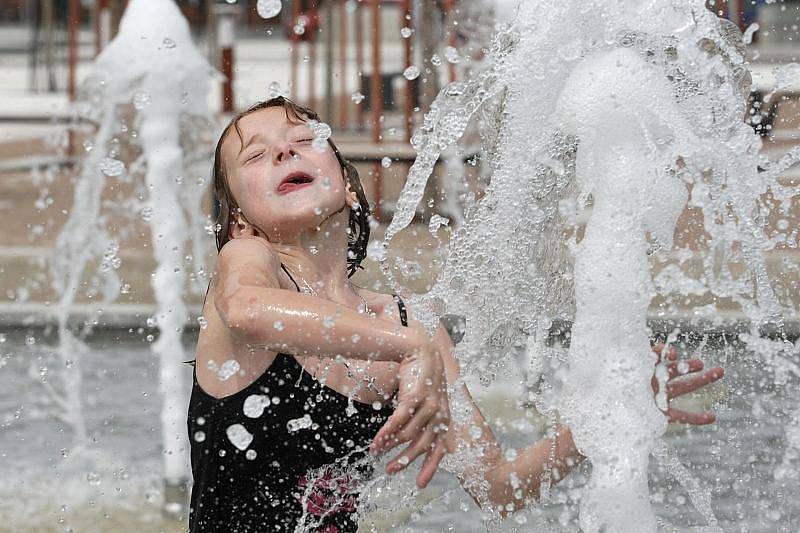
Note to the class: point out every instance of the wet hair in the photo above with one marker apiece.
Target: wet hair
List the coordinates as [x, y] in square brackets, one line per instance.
[225, 205]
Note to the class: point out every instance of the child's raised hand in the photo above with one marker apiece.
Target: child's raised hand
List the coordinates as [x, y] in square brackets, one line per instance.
[682, 378]
[421, 415]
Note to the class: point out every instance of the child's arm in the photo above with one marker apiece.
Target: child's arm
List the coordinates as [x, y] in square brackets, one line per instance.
[257, 311]
[505, 485]
[250, 302]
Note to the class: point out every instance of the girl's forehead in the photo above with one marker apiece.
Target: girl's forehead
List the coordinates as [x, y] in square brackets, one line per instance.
[275, 119]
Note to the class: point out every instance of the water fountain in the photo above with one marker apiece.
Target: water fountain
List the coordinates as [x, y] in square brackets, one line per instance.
[613, 115]
[153, 72]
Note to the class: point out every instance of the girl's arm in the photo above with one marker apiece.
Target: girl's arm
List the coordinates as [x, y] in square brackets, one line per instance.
[506, 485]
[257, 311]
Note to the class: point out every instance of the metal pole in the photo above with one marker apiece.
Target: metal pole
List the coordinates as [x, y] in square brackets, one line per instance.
[312, 59]
[102, 25]
[736, 12]
[343, 103]
[376, 96]
[226, 34]
[447, 7]
[408, 108]
[329, 43]
[359, 30]
[295, 45]
[73, 24]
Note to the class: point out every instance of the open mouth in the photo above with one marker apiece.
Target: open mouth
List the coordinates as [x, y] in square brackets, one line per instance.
[293, 181]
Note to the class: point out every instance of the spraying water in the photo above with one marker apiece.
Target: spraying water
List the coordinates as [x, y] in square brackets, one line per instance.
[152, 71]
[611, 116]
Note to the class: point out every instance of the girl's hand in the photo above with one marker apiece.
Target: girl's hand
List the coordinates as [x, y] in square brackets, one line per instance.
[422, 413]
[682, 378]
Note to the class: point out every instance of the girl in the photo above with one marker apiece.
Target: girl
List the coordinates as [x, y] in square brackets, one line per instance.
[299, 369]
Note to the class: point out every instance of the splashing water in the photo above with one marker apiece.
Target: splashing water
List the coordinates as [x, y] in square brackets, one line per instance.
[153, 71]
[609, 117]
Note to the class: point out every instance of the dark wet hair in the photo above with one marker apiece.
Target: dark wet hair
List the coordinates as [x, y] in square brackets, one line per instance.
[225, 205]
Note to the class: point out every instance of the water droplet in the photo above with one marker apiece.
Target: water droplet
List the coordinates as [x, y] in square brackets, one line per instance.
[411, 73]
[403, 460]
[451, 55]
[93, 478]
[386, 162]
[168, 43]
[228, 368]
[250, 454]
[199, 436]
[297, 424]
[321, 129]
[125, 288]
[141, 100]
[278, 325]
[30, 340]
[3, 338]
[267, 9]
[88, 144]
[328, 322]
[405, 32]
[326, 182]
[349, 442]
[357, 97]
[355, 338]
[319, 144]
[317, 210]
[376, 405]
[274, 89]
[254, 405]
[147, 214]
[299, 29]
[239, 436]
[202, 321]
[151, 322]
[436, 60]
[313, 250]
[111, 167]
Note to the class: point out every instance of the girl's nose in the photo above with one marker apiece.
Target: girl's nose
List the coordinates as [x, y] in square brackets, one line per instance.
[281, 152]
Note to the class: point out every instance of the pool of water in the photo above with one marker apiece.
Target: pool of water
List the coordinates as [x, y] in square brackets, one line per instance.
[114, 484]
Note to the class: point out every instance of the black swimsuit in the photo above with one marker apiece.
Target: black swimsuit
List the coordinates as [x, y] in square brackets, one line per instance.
[284, 451]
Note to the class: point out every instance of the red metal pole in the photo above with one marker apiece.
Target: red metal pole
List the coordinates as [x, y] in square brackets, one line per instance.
[73, 24]
[342, 64]
[225, 38]
[359, 29]
[447, 7]
[376, 96]
[408, 109]
[295, 44]
[312, 62]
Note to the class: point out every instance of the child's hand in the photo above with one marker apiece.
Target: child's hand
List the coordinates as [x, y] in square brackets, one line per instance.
[421, 416]
[682, 378]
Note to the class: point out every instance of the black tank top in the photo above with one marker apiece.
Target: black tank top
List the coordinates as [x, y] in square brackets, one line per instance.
[284, 451]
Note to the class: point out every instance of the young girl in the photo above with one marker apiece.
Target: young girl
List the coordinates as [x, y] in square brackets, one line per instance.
[298, 369]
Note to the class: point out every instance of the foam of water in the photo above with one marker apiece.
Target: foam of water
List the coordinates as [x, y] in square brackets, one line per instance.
[153, 65]
[611, 116]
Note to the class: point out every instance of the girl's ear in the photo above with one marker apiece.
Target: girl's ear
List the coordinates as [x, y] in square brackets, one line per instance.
[350, 196]
[240, 227]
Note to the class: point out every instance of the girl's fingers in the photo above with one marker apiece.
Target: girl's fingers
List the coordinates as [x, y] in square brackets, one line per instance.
[420, 445]
[411, 429]
[431, 463]
[399, 418]
[692, 365]
[672, 352]
[688, 384]
[697, 419]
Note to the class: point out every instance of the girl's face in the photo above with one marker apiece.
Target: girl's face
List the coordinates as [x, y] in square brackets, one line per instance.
[281, 183]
